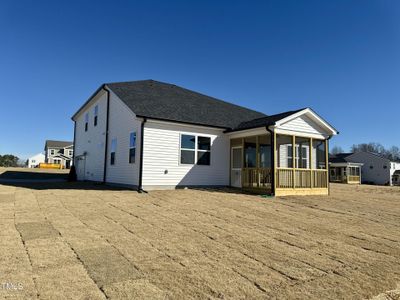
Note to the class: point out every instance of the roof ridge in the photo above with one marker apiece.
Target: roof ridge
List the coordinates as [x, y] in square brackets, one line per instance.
[190, 91]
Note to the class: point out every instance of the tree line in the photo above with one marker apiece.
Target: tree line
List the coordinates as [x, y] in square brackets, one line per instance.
[9, 160]
[392, 153]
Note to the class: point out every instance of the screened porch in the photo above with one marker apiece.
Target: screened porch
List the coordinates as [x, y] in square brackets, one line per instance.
[296, 165]
[345, 173]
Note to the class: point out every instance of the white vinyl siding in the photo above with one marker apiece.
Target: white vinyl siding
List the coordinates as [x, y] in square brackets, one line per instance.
[302, 124]
[161, 157]
[91, 142]
[122, 122]
[372, 170]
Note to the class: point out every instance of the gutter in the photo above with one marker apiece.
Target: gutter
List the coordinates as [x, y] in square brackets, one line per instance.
[73, 147]
[106, 139]
[140, 184]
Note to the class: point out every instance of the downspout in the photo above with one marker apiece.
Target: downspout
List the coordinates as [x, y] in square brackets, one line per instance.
[106, 138]
[327, 165]
[140, 184]
[73, 146]
[272, 161]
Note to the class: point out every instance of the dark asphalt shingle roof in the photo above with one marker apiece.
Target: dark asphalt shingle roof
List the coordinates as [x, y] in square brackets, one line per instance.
[264, 121]
[339, 157]
[57, 144]
[158, 100]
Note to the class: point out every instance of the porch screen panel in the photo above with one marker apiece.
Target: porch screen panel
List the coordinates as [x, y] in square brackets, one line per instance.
[284, 151]
[236, 158]
[265, 151]
[319, 154]
[302, 153]
[250, 152]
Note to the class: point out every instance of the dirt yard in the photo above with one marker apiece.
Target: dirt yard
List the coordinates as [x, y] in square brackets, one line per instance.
[83, 241]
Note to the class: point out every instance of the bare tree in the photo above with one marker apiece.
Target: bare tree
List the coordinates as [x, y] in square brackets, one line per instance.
[336, 150]
[393, 153]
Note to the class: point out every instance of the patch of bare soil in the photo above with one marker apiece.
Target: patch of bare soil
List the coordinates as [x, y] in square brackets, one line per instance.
[81, 241]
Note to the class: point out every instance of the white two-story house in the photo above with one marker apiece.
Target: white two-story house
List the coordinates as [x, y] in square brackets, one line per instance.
[153, 135]
[59, 152]
[376, 168]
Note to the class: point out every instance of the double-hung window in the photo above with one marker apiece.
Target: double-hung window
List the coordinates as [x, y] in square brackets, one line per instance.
[132, 147]
[195, 150]
[86, 121]
[113, 150]
[203, 150]
[188, 149]
[96, 112]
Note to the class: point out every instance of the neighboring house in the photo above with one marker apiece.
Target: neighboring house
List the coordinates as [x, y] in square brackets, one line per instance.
[343, 171]
[35, 160]
[154, 135]
[59, 152]
[396, 177]
[376, 169]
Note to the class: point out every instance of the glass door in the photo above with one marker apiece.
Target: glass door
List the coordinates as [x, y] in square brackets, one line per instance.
[236, 167]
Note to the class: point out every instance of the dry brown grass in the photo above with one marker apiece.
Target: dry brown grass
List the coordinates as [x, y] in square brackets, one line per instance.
[78, 241]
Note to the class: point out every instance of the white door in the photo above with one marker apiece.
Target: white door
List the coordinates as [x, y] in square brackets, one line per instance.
[80, 168]
[236, 166]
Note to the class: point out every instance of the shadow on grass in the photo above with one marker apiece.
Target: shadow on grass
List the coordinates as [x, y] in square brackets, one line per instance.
[33, 175]
[42, 180]
[64, 185]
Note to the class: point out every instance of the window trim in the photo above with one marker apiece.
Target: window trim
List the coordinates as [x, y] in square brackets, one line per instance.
[96, 112]
[196, 149]
[201, 150]
[112, 161]
[130, 148]
[86, 121]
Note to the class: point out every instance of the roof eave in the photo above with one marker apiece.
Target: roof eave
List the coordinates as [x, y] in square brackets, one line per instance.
[102, 87]
[181, 122]
[312, 112]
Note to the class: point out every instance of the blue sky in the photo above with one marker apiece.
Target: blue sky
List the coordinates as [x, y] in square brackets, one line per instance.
[342, 58]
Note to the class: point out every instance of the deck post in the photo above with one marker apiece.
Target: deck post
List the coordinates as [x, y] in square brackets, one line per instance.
[294, 160]
[242, 175]
[327, 163]
[274, 174]
[258, 161]
[311, 166]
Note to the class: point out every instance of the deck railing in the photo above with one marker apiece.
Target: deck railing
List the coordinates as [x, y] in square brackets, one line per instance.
[256, 177]
[284, 178]
[320, 178]
[353, 178]
[303, 178]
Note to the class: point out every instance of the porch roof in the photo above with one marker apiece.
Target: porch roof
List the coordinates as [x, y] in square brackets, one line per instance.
[264, 121]
[282, 118]
[346, 164]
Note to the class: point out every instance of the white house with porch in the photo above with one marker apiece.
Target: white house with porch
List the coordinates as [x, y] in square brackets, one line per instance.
[153, 135]
[343, 171]
[59, 152]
